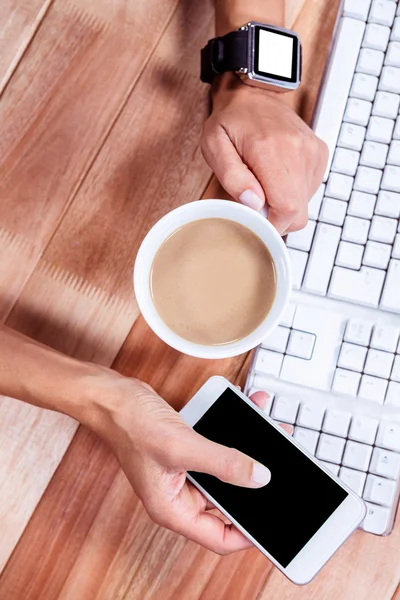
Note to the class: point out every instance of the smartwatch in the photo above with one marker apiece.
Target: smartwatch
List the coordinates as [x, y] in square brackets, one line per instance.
[262, 55]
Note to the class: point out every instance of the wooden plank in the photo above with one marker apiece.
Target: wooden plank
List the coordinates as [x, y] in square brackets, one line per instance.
[365, 567]
[63, 99]
[62, 306]
[19, 22]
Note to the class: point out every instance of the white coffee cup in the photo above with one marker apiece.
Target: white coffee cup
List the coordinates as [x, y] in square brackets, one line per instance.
[212, 209]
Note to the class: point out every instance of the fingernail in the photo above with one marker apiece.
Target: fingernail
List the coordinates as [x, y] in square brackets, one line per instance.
[250, 198]
[261, 475]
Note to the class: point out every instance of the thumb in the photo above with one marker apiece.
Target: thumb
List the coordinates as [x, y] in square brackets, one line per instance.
[228, 464]
[234, 176]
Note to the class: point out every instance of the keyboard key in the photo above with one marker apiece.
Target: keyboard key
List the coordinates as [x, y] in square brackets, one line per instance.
[389, 80]
[373, 388]
[362, 287]
[301, 344]
[396, 132]
[386, 104]
[377, 255]
[311, 416]
[380, 491]
[299, 261]
[349, 255]
[355, 230]
[385, 337]
[393, 54]
[285, 409]
[357, 113]
[322, 257]
[330, 448]
[346, 382]
[352, 357]
[391, 178]
[383, 229]
[382, 12]
[364, 86]
[385, 463]
[374, 155]
[391, 292]
[363, 429]
[376, 36]
[380, 130]
[345, 161]
[395, 375]
[336, 422]
[370, 61]
[394, 153]
[393, 394]
[339, 186]
[361, 205]
[260, 382]
[277, 340]
[329, 114]
[301, 240]
[306, 438]
[389, 436]
[358, 332]
[379, 363]
[288, 315]
[352, 136]
[357, 456]
[367, 180]
[334, 469]
[388, 204]
[396, 28]
[355, 480]
[333, 211]
[268, 362]
[315, 203]
[358, 9]
[396, 247]
[377, 519]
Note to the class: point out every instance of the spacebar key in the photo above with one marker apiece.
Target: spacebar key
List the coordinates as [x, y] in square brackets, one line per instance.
[361, 287]
[322, 258]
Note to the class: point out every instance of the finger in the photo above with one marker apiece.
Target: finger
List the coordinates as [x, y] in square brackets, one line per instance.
[234, 176]
[285, 187]
[210, 531]
[260, 399]
[196, 453]
[288, 428]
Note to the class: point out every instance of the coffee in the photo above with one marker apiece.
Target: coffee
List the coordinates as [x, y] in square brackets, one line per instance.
[213, 281]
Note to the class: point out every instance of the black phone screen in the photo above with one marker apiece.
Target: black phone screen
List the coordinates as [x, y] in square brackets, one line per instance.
[285, 514]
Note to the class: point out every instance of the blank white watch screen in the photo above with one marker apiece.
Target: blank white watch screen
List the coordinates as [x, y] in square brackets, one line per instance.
[285, 514]
[275, 54]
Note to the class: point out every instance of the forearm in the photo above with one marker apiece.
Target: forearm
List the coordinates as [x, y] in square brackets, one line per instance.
[43, 377]
[232, 14]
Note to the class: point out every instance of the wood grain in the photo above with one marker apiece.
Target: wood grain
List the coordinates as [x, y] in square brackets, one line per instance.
[18, 25]
[40, 174]
[110, 144]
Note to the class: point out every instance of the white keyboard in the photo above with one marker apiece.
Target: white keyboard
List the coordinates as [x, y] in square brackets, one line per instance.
[332, 367]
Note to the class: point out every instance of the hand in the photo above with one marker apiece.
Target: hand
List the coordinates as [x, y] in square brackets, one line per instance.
[156, 448]
[261, 151]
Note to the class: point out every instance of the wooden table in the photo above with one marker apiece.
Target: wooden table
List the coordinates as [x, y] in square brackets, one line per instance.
[100, 124]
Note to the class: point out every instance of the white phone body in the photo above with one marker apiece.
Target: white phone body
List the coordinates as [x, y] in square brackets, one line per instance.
[334, 531]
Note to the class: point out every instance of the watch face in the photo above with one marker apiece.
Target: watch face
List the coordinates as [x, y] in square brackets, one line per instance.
[276, 54]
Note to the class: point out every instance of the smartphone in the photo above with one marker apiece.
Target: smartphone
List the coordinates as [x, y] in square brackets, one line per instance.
[303, 515]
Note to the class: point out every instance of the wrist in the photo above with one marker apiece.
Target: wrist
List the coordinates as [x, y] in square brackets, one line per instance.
[232, 14]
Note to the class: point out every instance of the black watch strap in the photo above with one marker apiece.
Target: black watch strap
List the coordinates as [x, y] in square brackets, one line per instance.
[227, 53]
